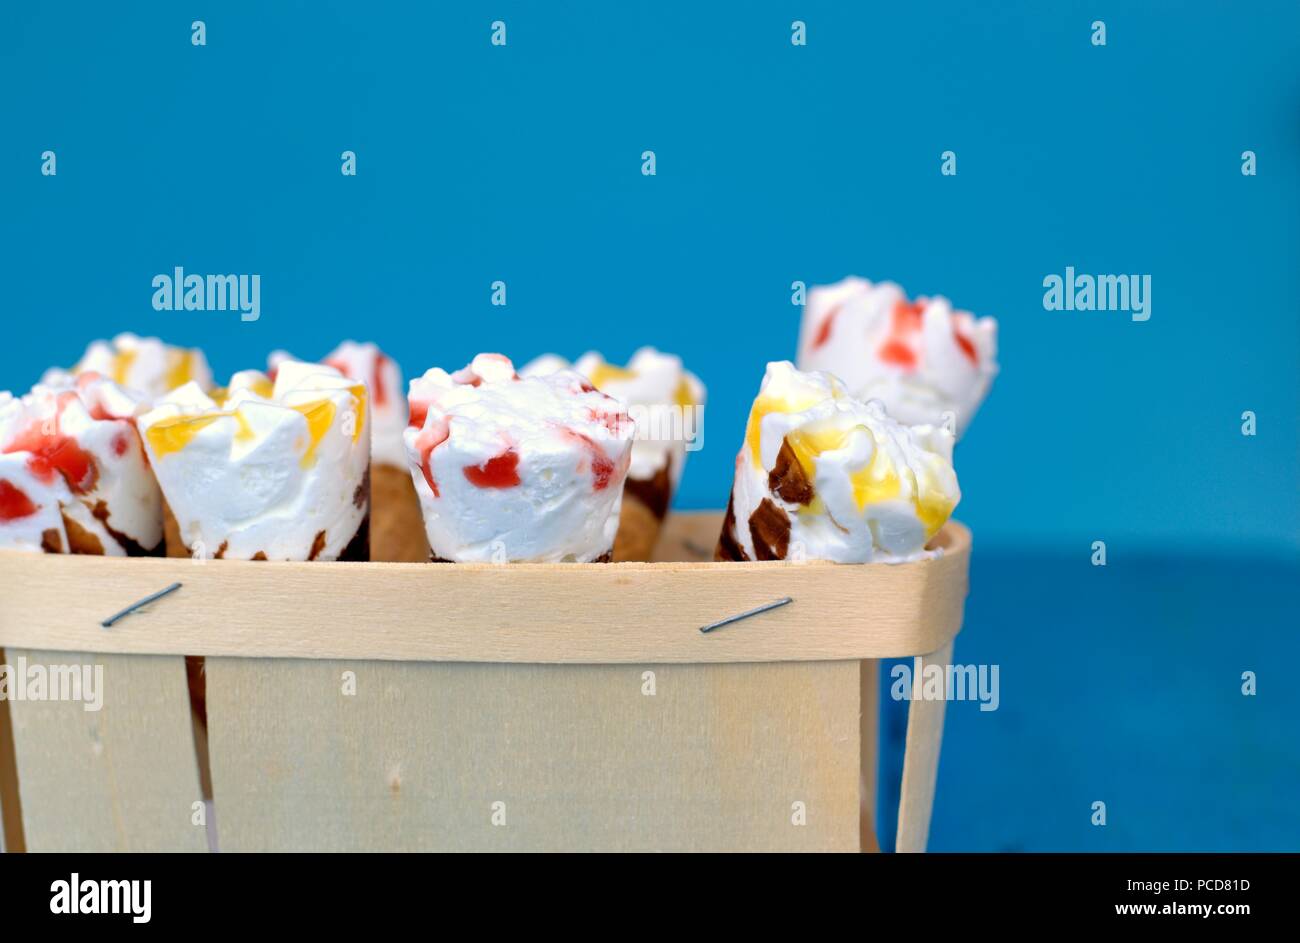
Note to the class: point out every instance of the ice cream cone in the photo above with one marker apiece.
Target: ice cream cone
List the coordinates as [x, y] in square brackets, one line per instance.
[143, 364]
[396, 526]
[729, 549]
[73, 473]
[516, 470]
[172, 534]
[928, 363]
[270, 472]
[824, 476]
[638, 530]
[665, 402]
[645, 505]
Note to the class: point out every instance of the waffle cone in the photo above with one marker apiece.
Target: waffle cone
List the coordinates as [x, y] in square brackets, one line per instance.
[638, 530]
[396, 522]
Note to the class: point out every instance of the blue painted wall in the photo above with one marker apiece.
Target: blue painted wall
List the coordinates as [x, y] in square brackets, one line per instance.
[775, 163]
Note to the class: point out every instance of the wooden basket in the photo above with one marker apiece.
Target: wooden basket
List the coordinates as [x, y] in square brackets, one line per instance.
[523, 707]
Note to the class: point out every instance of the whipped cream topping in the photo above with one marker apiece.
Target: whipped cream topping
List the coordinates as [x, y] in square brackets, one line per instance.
[383, 378]
[926, 362]
[265, 470]
[650, 381]
[825, 476]
[143, 364]
[516, 469]
[70, 457]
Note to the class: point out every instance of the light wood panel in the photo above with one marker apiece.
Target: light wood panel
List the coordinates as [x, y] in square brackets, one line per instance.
[123, 778]
[579, 755]
[868, 738]
[11, 832]
[921, 758]
[476, 685]
[627, 613]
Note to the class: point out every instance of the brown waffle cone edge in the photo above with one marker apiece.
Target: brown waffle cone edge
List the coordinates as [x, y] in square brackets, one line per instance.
[396, 523]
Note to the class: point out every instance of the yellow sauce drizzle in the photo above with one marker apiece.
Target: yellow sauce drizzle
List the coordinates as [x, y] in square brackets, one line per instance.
[764, 405]
[319, 416]
[171, 435]
[875, 482]
[808, 445]
[359, 395]
[933, 512]
[606, 372]
[122, 361]
[181, 369]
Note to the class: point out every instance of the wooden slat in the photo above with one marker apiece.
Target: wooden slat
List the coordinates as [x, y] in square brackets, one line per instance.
[582, 759]
[532, 613]
[123, 778]
[11, 832]
[921, 761]
[868, 737]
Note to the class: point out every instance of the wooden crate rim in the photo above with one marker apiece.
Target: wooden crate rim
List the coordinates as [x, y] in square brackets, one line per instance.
[548, 613]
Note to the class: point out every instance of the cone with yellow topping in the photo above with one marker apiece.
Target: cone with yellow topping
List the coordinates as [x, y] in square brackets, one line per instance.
[144, 365]
[824, 476]
[265, 471]
[396, 525]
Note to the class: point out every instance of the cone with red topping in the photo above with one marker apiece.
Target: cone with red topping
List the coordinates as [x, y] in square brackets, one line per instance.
[512, 469]
[73, 473]
[926, 362]
[666, 403]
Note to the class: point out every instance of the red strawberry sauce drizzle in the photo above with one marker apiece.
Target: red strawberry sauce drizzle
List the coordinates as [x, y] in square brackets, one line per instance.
[428, 440]
[500, 471]
[824, 330]
[602, 469]
[14, 503]
[899, 348]
[419, 409]
[55, 452]
[966, 346]
[614, 421]
[381, 388]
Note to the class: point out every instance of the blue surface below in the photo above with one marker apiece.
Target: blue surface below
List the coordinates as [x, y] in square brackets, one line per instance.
[1120, 684]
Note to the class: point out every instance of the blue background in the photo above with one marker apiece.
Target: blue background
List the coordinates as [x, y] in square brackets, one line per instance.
[776, 163]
